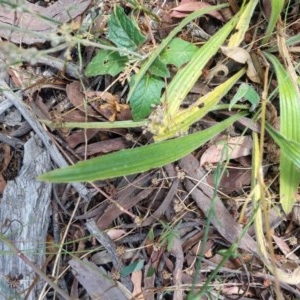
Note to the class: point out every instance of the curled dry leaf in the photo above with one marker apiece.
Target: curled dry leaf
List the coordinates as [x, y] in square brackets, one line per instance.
[108, 105]
[242, 56]
[186, 8]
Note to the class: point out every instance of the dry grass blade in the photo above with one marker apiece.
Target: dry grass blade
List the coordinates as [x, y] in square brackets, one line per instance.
[259, 203]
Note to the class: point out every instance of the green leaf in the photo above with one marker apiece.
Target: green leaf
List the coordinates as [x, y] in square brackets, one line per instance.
[291, 149]
[137, 160]
[150, 271]
[248, 93]
[277, 6]
[158, 68]
[145, 96]
[135, 266]
[123, 32]
[106, 62]
[151, 235]
[289, 176]
[243, 24]
[178, 52]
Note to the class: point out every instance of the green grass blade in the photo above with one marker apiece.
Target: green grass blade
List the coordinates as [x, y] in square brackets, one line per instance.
[290, 129]
[167, 40]
[131, 161]
[291, 149]
[277, 6]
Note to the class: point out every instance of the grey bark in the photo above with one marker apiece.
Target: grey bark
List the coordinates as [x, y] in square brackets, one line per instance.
[24, 219]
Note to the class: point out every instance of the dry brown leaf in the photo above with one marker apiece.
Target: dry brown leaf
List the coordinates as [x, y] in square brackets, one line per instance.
[32, 24]
[233, 180]
[72, 116]
[186, 8]
[79, 137]
[237, 147]
[106, 146]
[285, 249]
[5, 157]
[203, 195]
[77, 98]
[242, 56]
[266, 7]
[235, 290]
[107, 105]
[115, 233]
[97, 282]
[136, 278]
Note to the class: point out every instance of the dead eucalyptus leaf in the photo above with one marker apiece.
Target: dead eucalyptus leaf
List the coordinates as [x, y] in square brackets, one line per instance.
[186, 8]
[266, 8]
[236, 147]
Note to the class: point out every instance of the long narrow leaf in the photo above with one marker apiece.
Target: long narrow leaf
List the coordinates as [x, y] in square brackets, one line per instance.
[102, 125]
[131, 161]
[291, 149]
[277, 6]
[243, 24]
[290, 129]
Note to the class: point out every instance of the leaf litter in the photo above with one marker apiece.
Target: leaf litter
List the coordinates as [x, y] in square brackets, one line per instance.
[154, 223]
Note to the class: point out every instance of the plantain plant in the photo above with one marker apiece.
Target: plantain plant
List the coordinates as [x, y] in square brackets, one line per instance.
[168, 122]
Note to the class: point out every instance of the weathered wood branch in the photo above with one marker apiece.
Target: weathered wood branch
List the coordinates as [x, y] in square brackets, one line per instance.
[24, 220]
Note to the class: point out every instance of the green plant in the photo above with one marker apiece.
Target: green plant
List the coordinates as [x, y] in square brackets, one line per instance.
[168, 120]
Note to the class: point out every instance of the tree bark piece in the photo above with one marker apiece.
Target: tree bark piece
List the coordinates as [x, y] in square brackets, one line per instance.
[34, 23]
[24, 219]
